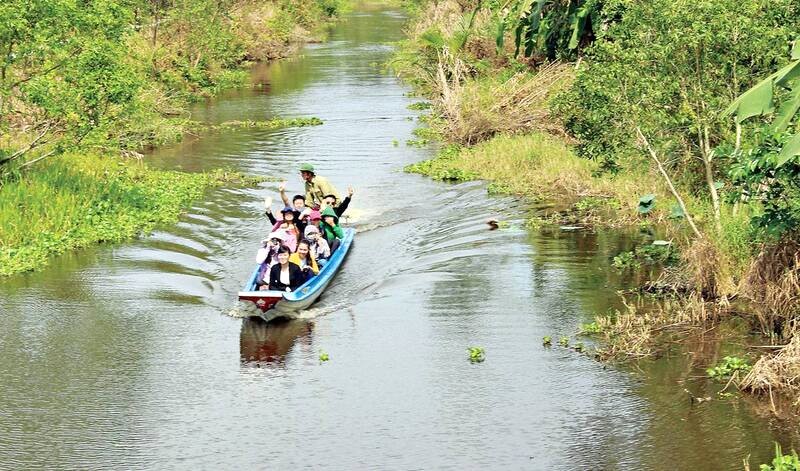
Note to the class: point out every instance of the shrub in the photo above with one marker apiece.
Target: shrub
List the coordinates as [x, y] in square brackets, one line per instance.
[671, 67]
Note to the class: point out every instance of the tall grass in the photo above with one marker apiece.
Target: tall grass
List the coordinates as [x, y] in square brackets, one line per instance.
[538, 166]
[477, 109]
[79, 200]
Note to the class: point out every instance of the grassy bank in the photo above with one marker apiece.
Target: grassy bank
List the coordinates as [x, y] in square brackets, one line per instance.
[111, 80]
[76, 201]
[543, 167]
[118, 77]
[581, 113]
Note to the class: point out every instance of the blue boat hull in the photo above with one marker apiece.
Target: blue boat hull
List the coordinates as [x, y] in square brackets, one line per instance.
[273, 304]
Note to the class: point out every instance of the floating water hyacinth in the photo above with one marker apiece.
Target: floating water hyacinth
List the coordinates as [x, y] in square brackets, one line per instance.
[476, 354]
[323, 356]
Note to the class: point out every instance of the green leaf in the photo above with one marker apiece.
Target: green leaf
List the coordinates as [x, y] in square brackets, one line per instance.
[789, 151]
[787, 110]
[646, 203]
[754, 102]
[579, 23]
[501, 32]
[647, 199]
[787, 73]
[796, 50]
[676, 212]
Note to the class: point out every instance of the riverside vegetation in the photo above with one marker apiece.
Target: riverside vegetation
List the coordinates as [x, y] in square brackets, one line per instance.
[86, 86]
[672, 113]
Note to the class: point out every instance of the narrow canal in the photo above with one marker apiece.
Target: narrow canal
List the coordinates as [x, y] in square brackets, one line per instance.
[131, 356]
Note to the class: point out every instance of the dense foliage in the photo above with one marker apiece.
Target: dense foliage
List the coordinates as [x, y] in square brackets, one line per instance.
[117, 74]
[82, 81]
[671, 68]
[550, 28]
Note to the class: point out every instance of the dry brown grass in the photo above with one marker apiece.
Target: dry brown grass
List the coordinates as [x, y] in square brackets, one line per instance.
[478, 109]
[636, 330]
[777, 373]
[474, 105]
[709, 270]
[447, 16]
[253, 25]
[773, 284]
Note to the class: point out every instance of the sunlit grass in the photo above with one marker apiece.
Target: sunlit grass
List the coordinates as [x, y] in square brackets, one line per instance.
[76, 201]
[539, 166]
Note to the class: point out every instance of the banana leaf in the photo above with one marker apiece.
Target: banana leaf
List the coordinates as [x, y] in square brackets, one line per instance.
[787, 110]
[579, 20]
[789, 151]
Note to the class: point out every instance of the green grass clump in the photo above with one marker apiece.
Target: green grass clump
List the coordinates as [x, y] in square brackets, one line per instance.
[443, 167]
[563, 341]
[547, 341]
[323, 356]
[76, 201]
[538, 166]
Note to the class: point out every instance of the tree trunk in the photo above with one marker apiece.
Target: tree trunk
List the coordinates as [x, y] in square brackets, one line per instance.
[708, 156]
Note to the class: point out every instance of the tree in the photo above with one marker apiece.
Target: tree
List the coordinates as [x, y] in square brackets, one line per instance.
[63, 67]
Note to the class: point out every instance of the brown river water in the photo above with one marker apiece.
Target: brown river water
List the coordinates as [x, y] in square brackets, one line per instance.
[131, 357]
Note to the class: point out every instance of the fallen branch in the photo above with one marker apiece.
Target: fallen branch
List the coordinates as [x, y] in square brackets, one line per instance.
[28, 148]
[41, 157]
[672, 189]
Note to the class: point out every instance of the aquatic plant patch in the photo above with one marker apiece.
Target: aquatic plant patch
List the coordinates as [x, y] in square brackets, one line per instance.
[590, 328]
[275, 123]
[729, 367]
[651, 254]
[77, 200]
[476, 354]
[781, 462]
[420, 105]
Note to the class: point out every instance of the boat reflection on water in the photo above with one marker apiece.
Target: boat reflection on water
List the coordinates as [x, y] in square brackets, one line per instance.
[267, 344]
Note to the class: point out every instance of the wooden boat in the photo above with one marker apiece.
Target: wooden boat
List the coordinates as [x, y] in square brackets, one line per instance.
[273, 304]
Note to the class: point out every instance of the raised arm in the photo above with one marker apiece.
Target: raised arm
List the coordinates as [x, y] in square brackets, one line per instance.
[284, 197]
[345, 202]
[268, 212]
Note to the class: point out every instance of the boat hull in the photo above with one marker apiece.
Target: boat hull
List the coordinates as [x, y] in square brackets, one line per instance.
[270, 305]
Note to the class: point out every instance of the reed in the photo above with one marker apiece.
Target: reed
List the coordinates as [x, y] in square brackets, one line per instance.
[777, 373]
[773, 284]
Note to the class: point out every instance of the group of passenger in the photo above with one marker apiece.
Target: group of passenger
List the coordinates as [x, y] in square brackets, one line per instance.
[303, 239]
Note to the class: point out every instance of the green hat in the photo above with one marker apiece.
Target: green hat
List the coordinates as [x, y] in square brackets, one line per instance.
[306, 168]
[328, 211]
